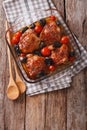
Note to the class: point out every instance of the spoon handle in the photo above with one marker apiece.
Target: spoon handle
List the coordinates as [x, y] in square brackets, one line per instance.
[16, 71]
[8, 52]
[10, 64]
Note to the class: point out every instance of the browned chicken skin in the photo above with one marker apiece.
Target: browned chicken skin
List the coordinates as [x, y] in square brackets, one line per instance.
[43, 52]
[29, 41]
[35, 64]
[60, 55]
[50, 33]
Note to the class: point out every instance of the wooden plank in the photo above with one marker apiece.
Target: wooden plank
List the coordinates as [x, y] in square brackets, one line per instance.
[60, 6]
[15, 114]
[85, 75]
[76, 97]
[47, 111]
[14, 111]
[2, 67]
[56, 110]
[35, 112]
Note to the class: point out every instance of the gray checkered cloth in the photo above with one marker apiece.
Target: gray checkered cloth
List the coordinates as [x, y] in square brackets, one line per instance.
[25, 12]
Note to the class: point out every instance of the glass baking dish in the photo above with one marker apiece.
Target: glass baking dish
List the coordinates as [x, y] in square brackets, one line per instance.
[16, 26]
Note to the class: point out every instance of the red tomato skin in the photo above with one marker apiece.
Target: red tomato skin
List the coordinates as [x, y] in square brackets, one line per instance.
[18, 34]
[52, 17]
[16, 37]
[14, 40]
[45, 51]
[65, 40]
[52, 68]
[38, 29]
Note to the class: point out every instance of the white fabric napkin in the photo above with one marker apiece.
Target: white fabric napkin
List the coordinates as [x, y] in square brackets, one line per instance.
[25, 12]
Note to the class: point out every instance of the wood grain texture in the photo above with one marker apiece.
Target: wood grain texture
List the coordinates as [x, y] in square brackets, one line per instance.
[59, 4]
[2, 69]
[35, 112]
[15, 114]
[60, 110]
[56, 110]
[76, 97]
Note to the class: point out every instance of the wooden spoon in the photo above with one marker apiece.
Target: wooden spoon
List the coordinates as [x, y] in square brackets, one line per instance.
[12, 89]
[19, 82]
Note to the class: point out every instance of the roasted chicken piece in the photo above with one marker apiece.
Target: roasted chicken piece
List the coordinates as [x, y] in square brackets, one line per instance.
[29, 41]
[35, 66]
[50, 33]
[60, 55]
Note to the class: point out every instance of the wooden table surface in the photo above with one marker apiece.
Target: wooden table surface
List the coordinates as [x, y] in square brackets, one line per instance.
[60, 110]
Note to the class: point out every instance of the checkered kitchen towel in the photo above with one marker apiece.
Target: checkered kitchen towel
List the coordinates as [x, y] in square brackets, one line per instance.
[28, 11]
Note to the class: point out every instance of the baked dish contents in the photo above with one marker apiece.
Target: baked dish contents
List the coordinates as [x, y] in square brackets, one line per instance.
[29, 41]
[43, 47]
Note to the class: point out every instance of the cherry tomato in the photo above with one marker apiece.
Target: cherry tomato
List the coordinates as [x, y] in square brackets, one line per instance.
[18, 34]
[52, 68]
[16, 38]
[45, 51]
[38, 28]
[71, 59]
[52, 17]
[65, 40]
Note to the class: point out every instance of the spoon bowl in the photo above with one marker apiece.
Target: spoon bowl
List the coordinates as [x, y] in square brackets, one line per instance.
[21, 86]
[12, 92]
